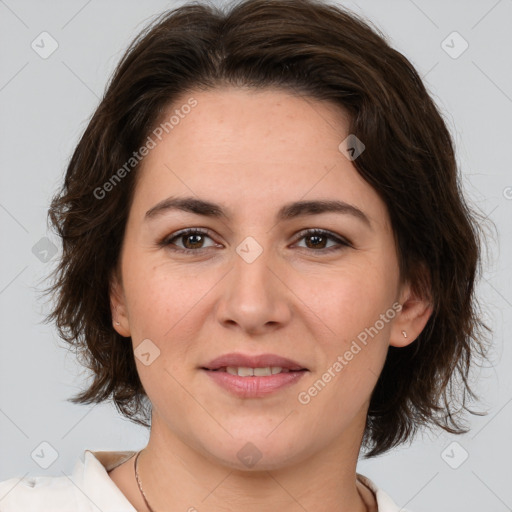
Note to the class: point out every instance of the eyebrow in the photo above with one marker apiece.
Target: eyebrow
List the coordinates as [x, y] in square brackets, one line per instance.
[287, 212]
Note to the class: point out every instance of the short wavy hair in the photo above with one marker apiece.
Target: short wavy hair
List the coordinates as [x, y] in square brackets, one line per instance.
[317, 51]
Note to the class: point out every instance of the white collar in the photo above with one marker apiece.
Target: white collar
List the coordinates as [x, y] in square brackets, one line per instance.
[92, 477]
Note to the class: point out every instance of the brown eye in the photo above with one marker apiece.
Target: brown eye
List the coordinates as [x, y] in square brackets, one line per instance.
[188, 240]
[318, 240]
[195, 241]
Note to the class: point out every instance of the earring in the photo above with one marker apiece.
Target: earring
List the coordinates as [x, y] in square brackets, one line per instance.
[405, 334]
[115, 308]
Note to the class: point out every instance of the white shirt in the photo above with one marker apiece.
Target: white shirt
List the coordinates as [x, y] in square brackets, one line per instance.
[90, 489]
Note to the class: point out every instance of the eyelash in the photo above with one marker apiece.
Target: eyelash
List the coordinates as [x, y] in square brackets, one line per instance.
[342, 243]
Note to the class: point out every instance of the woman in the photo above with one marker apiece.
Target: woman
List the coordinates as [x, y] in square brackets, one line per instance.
[267, 259]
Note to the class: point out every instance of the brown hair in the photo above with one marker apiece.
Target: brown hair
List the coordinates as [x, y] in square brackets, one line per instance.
[318, 51]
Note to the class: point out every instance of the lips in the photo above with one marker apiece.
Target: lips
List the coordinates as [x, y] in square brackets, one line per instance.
[254, 376]
[253, 361]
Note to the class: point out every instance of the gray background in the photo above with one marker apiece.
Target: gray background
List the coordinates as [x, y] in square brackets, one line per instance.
[45, 104]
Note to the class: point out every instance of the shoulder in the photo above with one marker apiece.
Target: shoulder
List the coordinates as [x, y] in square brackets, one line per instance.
[35, 493]
[382, 499]
[88, 488]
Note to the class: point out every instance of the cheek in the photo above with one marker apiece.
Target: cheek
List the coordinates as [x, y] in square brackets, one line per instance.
[356, 305]
[351, 298]
[162, 297]
[361, 312]
[163, 306]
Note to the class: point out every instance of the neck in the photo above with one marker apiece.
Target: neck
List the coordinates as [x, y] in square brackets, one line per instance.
[175, 476]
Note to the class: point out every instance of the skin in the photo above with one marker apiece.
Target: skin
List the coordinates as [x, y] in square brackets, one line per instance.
[252, 152]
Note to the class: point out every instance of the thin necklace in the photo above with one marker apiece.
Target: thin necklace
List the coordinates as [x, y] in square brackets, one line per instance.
[140, 484]
[149, 506]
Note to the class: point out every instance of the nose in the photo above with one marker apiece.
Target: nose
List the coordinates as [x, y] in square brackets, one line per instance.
[254, 297]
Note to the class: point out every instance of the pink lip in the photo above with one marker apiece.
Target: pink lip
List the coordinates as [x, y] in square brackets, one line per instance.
[253, 387]
[258, 361]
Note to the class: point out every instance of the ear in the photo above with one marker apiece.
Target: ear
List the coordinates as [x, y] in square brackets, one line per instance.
[118, 308]
[412, 318]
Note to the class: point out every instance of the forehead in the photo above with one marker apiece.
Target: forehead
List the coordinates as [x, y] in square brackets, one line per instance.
[233, 122]
[255, 146]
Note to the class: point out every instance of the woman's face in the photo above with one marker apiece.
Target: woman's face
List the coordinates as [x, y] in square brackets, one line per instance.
[255, 281]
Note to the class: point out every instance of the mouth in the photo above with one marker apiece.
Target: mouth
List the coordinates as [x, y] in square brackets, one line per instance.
[245, 371]
[254, 376]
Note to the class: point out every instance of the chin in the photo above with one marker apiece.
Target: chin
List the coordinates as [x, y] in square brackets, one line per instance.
[256, 450]
[251, 458]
